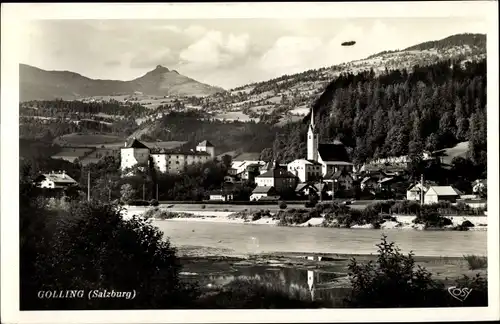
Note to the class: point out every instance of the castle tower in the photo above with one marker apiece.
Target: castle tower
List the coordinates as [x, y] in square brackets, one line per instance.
[312, 140]
[207, 147]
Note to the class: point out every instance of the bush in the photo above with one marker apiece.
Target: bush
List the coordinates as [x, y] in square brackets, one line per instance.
[92, 246]
[432, 219]
[282, 205]
[467, 223]
[256, 217]
[203, 206]
[293, 216]
[476, 262]
[158, 213]
[394, 281]
[154, 202]
[309, 204]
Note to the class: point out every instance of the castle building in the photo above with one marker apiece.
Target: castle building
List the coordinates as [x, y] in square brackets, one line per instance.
[166, 161]
[333, 157]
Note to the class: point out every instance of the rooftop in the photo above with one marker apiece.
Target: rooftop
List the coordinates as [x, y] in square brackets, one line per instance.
[60, 177]
[224, 191]
[277, 173]
[336, 175]
[333, 152]
[247, 156]
[134, 143]
[206, 144]
[179, 152]
[444, 190]
[262, 189]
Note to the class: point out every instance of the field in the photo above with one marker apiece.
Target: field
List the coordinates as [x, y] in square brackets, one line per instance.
[234, 115]
[88, 140]
[150, 102]
[459, 150]
[106, 141]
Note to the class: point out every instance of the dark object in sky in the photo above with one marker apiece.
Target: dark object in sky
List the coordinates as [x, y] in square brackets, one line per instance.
[350, 43]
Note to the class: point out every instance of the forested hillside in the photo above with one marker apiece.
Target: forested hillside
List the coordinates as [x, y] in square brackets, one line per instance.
[398, 112]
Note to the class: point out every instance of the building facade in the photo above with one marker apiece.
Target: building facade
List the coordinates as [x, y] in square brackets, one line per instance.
[166, 161]
[279, 178]
[305, 170]
[437, 194]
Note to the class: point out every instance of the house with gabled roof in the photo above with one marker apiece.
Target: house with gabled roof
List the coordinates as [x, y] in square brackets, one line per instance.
[342, 178]
[264, 193]
[55, 180]
[436, 194]
[278, 177]
[415, 190]
[224, 194]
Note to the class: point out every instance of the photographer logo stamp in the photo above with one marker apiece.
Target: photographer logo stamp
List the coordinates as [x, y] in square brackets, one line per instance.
[459, 293]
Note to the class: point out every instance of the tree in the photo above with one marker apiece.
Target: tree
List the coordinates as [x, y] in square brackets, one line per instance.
[226, 161]
[266, 155]
[92, 247]
[432, 142]
[127, 192]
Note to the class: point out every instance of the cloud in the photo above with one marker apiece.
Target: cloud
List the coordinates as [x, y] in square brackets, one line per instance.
[293, 54]
[112, 63]
[195, 31]
[149, 59]
[171, 28]
[214, 49]
[290, 53]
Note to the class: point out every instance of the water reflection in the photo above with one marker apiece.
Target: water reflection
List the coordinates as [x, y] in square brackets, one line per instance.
[322, 281]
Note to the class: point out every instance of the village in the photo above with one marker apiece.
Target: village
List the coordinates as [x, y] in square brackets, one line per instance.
[326, 173]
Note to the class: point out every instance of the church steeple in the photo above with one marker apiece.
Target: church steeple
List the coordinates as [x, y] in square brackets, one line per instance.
[312, 140]
[311, 123]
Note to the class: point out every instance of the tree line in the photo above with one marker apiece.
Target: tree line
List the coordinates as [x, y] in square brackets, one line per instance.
[399, 112]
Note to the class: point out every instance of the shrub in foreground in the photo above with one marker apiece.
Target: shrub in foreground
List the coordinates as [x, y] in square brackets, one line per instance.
[92, 247]
[394, 280]
[476, 262]
[432, 219]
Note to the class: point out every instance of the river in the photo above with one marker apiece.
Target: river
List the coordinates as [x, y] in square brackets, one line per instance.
[245, 238]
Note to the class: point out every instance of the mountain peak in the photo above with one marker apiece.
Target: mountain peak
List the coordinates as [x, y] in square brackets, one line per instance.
[160, 68]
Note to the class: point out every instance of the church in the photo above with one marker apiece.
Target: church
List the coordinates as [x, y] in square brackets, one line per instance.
[323, 159]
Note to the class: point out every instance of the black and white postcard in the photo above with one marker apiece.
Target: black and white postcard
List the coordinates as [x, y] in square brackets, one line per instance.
[249, 162]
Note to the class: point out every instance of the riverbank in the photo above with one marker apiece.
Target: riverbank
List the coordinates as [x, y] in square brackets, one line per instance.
[211, 268]
[401, 222]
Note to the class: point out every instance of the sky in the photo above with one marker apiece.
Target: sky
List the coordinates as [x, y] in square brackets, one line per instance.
[222, 52]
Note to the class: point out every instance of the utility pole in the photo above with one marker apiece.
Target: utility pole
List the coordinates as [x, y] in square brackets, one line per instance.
[333, 191]
[88, 186]
[421, 189]
[143, 191]
[320, 189]
[156, 192]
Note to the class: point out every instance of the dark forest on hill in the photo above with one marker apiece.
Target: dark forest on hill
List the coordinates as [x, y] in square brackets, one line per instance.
[399, 112]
